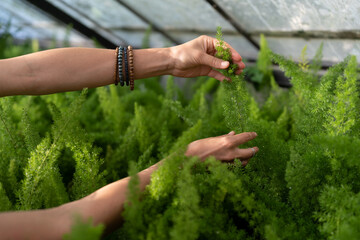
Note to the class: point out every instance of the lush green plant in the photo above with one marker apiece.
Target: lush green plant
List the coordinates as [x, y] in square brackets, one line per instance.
[303, 184]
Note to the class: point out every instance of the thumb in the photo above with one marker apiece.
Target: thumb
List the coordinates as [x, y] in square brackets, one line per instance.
[213, 62]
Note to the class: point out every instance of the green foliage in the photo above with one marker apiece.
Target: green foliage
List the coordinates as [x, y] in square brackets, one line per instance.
[223, 52]
[303, 184]
[84, 231]
[340, 213]
[7, 47]
[5, 204]
[42, 185]
[304, 62]
[343, 115]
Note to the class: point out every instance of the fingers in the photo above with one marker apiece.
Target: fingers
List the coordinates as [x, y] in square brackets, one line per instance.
[239, 70]
[234, 54]
[217, 75]
[245, 154]
[243, 138]
[244, 163]
[211, 61]
[214, 62]
[237, 59]
[213, 42]
[232, 133]
[241, 65]
[210, 45]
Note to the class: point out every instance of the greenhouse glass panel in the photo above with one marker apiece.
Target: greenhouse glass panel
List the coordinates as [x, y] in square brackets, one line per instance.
[112, 20]
[106, 13]
[136, 38]
[290, 15]
[74, 11]
[333, 50]
[185, 14]
[28, 22]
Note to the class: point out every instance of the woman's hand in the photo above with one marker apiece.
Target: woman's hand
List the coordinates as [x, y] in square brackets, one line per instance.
[196, 58]
[224, 148]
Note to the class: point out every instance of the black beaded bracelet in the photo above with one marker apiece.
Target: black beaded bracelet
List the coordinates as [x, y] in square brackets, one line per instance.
[120, 65]
[126, 67]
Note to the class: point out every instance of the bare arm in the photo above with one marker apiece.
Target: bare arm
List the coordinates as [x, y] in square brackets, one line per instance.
[106, 204]
[70, 69]
[103, 206]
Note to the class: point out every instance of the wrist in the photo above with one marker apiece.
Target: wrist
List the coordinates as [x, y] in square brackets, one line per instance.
[152, 62]
[173, 58]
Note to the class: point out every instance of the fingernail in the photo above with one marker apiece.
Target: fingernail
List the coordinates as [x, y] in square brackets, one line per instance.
[255, 134]
[224, 64]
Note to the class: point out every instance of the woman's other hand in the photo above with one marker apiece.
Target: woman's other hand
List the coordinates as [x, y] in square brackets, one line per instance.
[224, 148]
[197, 58]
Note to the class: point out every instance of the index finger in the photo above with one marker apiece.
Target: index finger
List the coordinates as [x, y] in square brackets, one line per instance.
[234, 54]
[243, 137]
[236, 58]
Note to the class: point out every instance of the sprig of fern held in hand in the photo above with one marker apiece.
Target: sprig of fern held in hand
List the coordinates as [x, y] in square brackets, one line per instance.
[224, 53]
[237, 100]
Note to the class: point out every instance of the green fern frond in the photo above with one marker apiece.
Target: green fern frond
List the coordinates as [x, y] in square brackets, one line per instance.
[5, 204]
[343, 114]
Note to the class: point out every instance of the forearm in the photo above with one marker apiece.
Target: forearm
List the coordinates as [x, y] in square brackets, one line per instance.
[57, 70]
[106, 204]
[70, 69]
[36, 224]
[103, 206]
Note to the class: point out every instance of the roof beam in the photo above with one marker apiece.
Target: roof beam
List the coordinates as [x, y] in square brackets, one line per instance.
[351, 35]
[232, 21]
[62, 16]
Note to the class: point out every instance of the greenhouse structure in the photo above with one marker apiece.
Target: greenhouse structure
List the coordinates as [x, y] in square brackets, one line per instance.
[138, 119]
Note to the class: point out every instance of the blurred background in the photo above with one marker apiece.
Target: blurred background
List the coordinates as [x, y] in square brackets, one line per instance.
[288, 25]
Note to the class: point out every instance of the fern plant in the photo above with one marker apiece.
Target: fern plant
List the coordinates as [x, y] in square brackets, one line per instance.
[303, 184]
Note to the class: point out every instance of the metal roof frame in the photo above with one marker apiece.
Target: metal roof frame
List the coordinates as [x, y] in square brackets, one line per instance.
[62, 16]
[67, 19]
[107, 38]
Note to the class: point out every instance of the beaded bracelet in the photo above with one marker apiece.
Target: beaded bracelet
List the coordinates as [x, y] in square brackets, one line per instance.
[124, 56]
[131, 67]
[116, 75]
[120, 65]
[126, 67]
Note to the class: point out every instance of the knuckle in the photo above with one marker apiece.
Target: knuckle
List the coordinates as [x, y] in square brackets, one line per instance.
[226, 142]
[202, 36]
[214, 62]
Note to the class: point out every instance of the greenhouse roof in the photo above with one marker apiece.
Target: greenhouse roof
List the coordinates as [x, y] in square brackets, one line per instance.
[288, 25]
